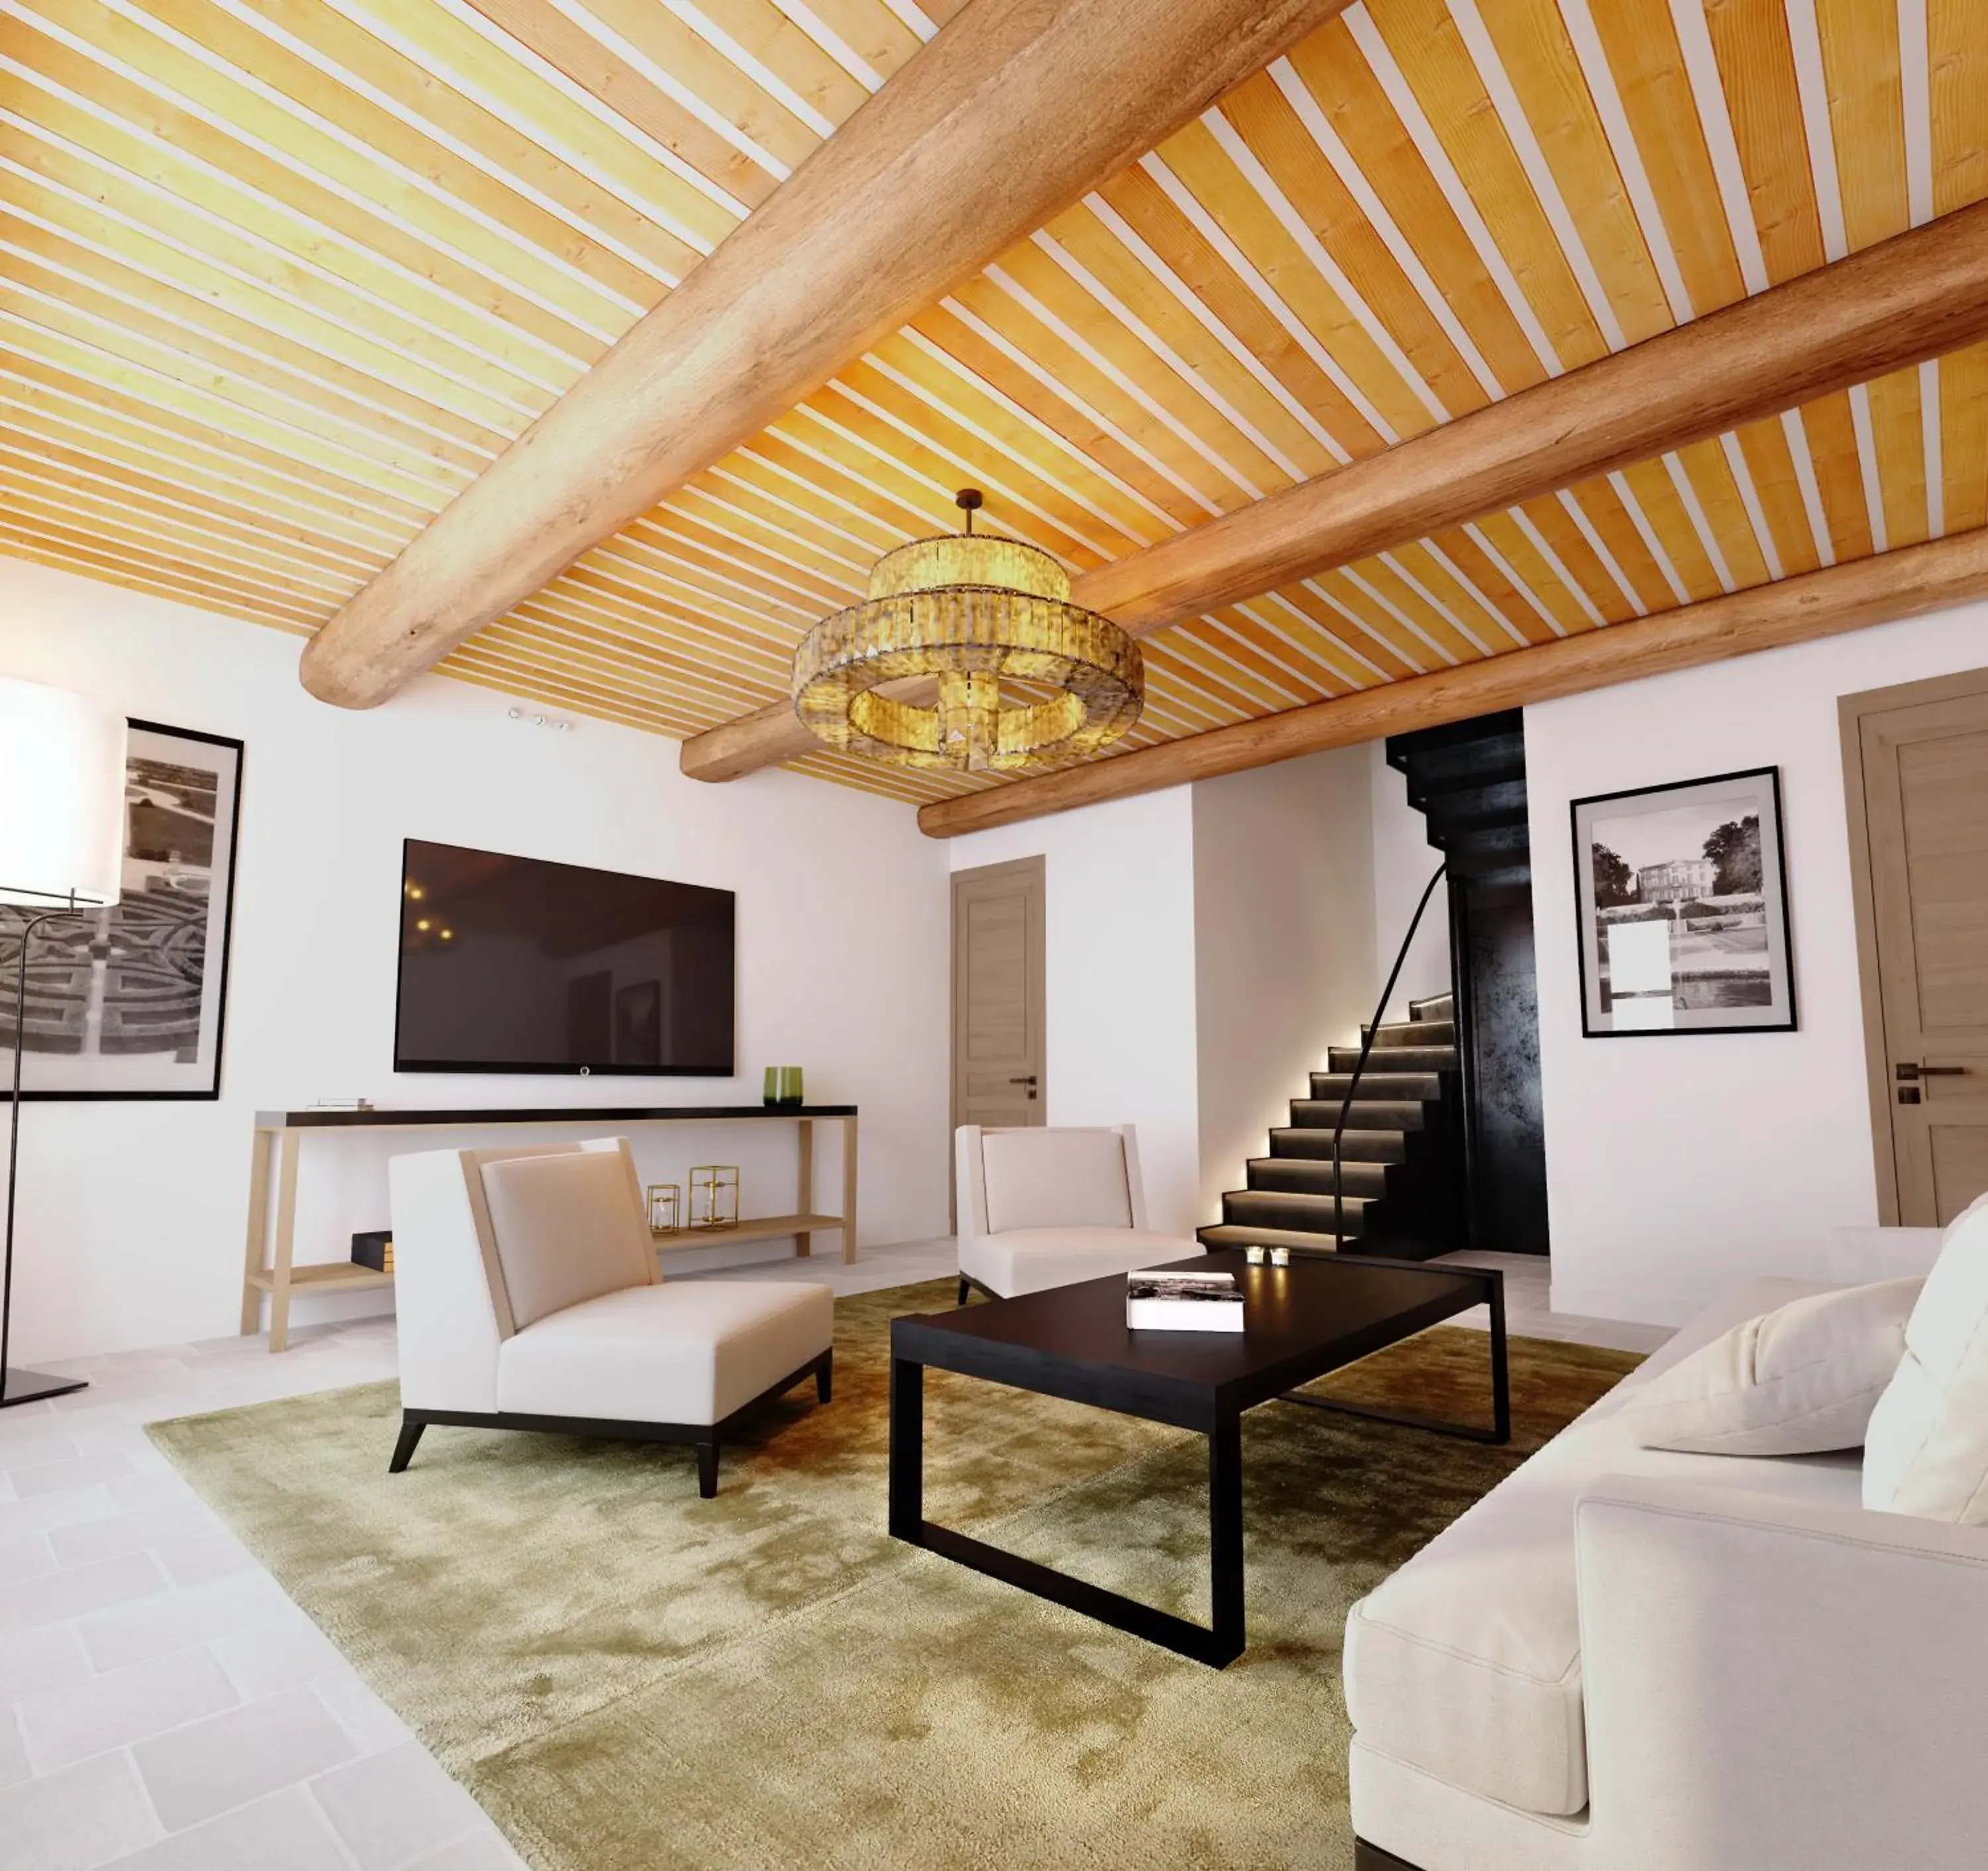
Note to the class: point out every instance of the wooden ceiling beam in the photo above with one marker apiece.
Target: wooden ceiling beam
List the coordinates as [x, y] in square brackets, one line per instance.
[1845, 597]
[1012, 113]
[1922, 294]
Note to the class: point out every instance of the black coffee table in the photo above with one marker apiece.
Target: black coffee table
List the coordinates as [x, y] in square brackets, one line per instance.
[1301, 1322]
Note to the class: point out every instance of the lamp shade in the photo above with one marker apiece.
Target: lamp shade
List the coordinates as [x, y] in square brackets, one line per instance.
[61, 798]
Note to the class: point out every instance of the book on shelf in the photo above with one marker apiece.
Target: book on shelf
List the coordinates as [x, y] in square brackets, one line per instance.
[340, 1104]
[1159, 1301]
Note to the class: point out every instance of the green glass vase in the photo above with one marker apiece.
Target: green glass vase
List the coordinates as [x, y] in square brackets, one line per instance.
[783, 1085]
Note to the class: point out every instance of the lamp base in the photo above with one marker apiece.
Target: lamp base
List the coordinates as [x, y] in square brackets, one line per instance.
[20, 1386]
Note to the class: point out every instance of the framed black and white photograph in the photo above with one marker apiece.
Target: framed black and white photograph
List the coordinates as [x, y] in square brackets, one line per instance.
[130, 1001]
[1681, 901]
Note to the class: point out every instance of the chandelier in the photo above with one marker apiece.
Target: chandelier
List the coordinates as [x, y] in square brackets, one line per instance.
[974, 610]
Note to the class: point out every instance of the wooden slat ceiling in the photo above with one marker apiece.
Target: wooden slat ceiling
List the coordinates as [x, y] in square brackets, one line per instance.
[279, 277]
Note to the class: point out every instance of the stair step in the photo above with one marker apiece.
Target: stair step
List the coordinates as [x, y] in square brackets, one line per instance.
[1362, 1114]
[1284, 1208]
[1379, 1084]
[1413, 1033]
[1495, 872]
[1478, 749]
[1299, 1240]
[1467, 807]
[1437, 1007]
[1386, 1060]
[1354, 1146]
[1314, 1175]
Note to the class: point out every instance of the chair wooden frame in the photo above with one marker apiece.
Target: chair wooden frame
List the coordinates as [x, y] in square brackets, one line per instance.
[706, 1437]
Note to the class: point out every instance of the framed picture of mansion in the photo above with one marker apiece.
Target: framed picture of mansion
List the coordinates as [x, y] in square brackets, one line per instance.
[1681, 901]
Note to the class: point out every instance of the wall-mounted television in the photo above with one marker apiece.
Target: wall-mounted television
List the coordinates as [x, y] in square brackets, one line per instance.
[514, 964]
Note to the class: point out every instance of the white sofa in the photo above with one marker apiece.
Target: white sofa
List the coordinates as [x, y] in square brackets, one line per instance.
[1647, 1661]
[1041, 1208]
[527, 1297]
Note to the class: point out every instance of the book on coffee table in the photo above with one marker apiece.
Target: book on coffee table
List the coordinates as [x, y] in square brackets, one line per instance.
[1159, 1301]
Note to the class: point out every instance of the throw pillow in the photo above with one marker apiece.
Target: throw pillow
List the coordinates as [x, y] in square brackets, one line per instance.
[1795, 1382]
[1927, 1452]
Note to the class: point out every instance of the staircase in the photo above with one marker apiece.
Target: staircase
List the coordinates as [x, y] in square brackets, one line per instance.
[1401, 1153]
[1469, 780]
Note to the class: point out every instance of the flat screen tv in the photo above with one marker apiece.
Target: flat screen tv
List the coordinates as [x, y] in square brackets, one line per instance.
[513, 964]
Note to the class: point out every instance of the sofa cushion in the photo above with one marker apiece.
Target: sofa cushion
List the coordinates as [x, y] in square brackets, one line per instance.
[1057, 1178]
[1927, 1450]
[692, 1351]
[1466, 1662]
[1793, 1381]
[1029, 1260]
[568, 1227]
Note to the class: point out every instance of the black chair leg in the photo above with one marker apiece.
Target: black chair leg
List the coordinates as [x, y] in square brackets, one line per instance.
[404, 1450]
[964, 1289]
[824, 1380]
[707, 1469]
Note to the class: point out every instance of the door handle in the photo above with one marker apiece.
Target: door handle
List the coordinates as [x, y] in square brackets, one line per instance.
[1029, 1080]
[1910, 1070]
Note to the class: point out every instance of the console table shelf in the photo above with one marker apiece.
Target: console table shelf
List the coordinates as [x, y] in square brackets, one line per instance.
[754, 1227]
[326, 1276]
[270, 1265]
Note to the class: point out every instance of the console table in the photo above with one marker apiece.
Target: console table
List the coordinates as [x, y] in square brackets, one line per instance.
[269, 1266]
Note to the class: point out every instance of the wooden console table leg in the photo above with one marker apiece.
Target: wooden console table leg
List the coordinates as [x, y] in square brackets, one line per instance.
[849, 1188]
[804, 1186]
[258, 1232]
[289, 1142]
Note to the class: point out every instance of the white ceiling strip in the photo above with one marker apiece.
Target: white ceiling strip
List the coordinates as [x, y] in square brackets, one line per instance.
[1022, 296]
[1046, 242]
[1648, 534]
[1244, 268]
[1024, 414]
[1601, 78]
[1518, 128]
[1429, 146]
[1198, 308]
[1308, 243]
[1674, 468]
[1318, 128]
[1599, 546]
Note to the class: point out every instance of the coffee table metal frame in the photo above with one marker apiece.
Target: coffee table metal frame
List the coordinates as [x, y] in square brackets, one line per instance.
[1212, 1410]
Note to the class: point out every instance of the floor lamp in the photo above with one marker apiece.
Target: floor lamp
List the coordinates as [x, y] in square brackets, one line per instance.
[62, 854]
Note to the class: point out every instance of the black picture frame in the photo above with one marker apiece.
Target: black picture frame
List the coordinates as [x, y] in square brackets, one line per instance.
[1779, 1012]
[214, 974]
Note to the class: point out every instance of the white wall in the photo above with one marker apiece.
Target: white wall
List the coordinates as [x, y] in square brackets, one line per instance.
[1677, 1165]
[1284, 945]
[131, 1213]
[1118, 919]
[1404, 862]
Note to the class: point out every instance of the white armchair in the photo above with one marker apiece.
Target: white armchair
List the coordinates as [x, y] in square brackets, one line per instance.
[1047, 1208]
[528, 1297]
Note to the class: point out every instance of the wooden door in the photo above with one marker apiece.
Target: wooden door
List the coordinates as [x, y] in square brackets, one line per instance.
[1917, 768]
[998, 1077]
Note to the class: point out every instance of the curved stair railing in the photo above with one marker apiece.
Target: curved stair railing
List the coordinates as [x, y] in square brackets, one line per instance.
[1366, 1047]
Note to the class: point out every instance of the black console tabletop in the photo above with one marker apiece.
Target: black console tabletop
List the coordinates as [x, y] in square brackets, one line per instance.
[397, 1117]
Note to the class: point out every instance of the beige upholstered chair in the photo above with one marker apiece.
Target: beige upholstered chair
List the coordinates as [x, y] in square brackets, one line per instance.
[1046, 1207]
[528, 1298]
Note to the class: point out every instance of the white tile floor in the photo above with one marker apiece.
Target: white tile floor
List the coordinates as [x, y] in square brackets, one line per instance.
[164, 1708]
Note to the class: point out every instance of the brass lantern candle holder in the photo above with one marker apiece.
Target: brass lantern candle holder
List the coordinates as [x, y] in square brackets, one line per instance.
[714, 1196]
[665, 1201]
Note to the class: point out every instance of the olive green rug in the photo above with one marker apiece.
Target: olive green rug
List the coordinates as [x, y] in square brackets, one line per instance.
[629, 1678]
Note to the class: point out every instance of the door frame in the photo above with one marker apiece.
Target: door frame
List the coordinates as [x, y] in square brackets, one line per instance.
[1036, 867]
[1850, 711]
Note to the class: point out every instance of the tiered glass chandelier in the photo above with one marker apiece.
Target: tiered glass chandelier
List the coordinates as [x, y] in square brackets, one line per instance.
[973, 610]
